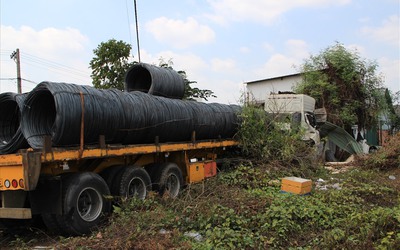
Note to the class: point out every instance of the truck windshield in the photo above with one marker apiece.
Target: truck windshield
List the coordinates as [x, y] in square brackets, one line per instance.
[310, 118]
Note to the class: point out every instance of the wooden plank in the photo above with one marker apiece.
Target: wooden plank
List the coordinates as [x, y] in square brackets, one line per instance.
[15, 213]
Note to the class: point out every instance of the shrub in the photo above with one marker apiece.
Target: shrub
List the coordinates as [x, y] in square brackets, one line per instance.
[263, 140]
[388, 157]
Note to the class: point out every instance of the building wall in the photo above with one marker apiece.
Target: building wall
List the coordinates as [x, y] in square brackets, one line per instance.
[258, 90]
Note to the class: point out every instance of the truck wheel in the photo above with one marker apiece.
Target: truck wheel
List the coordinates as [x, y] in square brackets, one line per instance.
[109, 175]
[134, 182]
[84, 203]
[168, 179]
[50, 221]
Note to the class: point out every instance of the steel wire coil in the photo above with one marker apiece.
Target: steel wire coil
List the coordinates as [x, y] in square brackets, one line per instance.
[155, 80]
[55, 109]
[11, 137]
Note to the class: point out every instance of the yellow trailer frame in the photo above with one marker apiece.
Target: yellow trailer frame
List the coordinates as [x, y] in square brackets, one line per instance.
[21, 171]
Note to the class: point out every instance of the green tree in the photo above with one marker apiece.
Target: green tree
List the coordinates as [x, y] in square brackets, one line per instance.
[345, 84]
[110, 64]
[393, 118]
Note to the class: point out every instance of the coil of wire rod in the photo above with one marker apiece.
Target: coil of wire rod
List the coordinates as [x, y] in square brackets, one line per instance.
[55, 109]
[11, 137]
[155, 80]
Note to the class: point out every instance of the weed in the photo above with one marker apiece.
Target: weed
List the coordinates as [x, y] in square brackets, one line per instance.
[387, 157]
[262, 139]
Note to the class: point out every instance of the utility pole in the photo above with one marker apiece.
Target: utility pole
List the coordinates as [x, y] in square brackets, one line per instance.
[137, 29]
[15, 56]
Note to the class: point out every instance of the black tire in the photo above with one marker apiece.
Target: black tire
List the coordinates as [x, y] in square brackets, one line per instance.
[168, 179]
[84, 203]
[152, 170]
[134, 182]
[110, 175]
[52, 225]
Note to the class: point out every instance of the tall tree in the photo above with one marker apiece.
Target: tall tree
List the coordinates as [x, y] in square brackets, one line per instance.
[392, 116]
[347, 85]
[110, 64]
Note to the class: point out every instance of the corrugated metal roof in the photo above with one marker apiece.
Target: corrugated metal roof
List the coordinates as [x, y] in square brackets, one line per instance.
[273, 78]
[341, 138]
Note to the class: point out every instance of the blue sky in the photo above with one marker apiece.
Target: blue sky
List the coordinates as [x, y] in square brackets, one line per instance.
[221, 44]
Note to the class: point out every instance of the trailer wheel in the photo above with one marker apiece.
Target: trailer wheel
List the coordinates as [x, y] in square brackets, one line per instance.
[110, 175]
[84, 203]
[135, 182]
[168, 179]
[52, 225]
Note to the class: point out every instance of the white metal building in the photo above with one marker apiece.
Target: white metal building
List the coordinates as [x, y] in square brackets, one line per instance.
[256, 91]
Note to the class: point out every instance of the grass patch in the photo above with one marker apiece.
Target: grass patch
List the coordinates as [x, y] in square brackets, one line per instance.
[243, 208]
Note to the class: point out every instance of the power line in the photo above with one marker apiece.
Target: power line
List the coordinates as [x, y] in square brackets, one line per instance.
[53, 64]
[13, 78]
[5, 51]
[58, 71]
[45, 63]
[55, 67]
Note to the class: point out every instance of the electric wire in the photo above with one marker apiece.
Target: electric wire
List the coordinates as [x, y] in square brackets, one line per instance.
[58, 68]
[52, 64]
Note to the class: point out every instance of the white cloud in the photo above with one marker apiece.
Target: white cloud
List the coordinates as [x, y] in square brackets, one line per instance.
[49, 41]
[223, 65]
[297, 48]
[218, 75]
[268, 47]
[264, 11]
[284, 63]
[189, 62]
[278, 65]
[357, 48]
[48, 54]
[388, 32]
[390, 70]
[244, 50]
[179, 33]
[388, 67]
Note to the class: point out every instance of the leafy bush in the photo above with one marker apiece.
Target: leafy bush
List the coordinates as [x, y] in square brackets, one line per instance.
[262, 140]
[388, 157]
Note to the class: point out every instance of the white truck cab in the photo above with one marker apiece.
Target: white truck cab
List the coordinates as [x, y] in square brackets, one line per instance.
[290, 109]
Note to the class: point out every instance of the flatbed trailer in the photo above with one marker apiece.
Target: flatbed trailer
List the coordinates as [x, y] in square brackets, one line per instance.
[73, 188]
